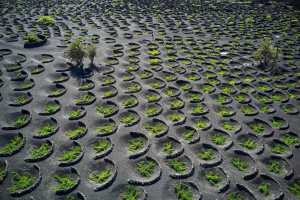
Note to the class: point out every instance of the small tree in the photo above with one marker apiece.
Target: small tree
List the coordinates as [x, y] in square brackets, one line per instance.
[267, 54]
[76, 52]
[91, 52]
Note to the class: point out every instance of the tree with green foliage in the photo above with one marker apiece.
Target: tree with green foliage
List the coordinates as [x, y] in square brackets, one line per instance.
[267, 54]
[91, 52]
[76, 52]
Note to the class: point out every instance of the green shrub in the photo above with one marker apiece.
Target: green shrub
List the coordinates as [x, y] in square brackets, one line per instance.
[46, 20]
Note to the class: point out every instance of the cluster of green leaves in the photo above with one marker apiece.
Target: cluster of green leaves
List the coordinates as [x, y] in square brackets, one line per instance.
[40, 151]
[31, 38]
[146, 168]
[275, 167]
[74, 113]
[71, 154]
[84, 99]
[219, 139]
[46, 20]
[106, 109]
[234, 196]
[51, 108]
[264, 188]
[248, 143]
[128, 118]
[136, 144]
[294, 188]
[130, 194]
[267, 53]
[46, 129]
[177, 165]
[101, 145]
[207, 154]
[63, 183]
[21, 181]
[183, 192]
[155, 128]
[14, 144]
[101, 176]
[168, 148]
[240, 164]
[76, 132]
[213, 178]
[21, 120]
[106, 128]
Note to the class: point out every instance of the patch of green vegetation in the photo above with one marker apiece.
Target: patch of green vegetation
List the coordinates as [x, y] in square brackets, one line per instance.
[219, 139]
[264, 188]
[22, 99]
[21, 181]
[86, 85]
[133, 87]
[175, 117]
[106, 128]
[188, 134]
[74, 114]
[100, 176]
[108, 93]
[266, 108]
[168, 148]
[171, 92]
[176, 103]
[84, 99]
[152, 110]
[46, 20]
[235, 196]
[152, 97]
[21, 120]
[63, 183]
[275, 167]
[290, 139]
[130, 194]
[206, 88]
[207, 154]
[2, 173]
[31, 38]
[202, 123]
[294, 188]
[240, 164]
[194, 96]
[183, 192]
[155, 128]
[177, 165]
[128, 118]
[146, 168]
[14, 144]
[222, 99]
[136, 144]
[198, 109]
[106, 109]
[129, 102]
[101, 145]
[213, 178]
[279, 148]
[229, 126]
[277, 123]
[51, 108]
[257, 127]
[225, 111]
[76, 132]
[71, 154]
[46, 129]
[248, 110]
[56, 92]
[40, 151]
[248, 143]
